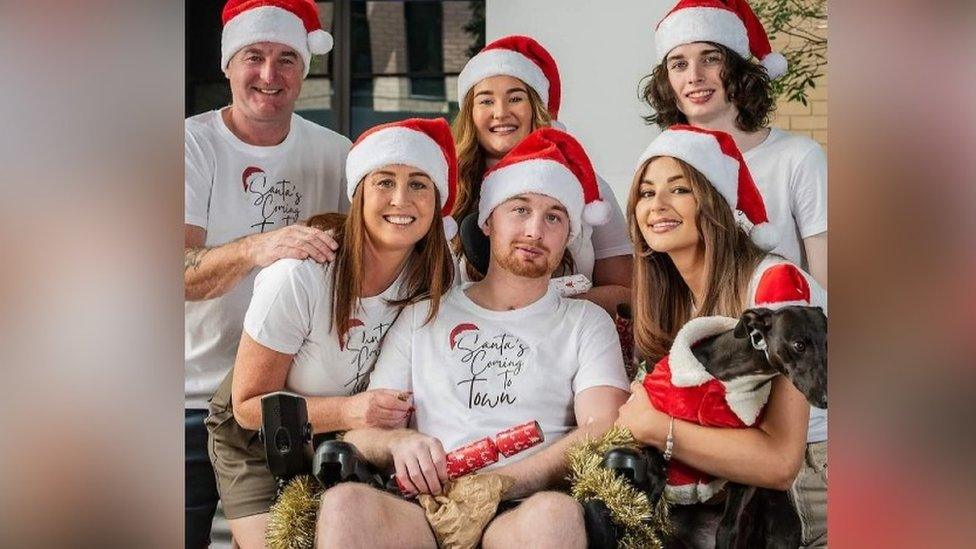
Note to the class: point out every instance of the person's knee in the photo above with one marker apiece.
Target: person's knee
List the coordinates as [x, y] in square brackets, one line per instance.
[553, 519]
[344, 506]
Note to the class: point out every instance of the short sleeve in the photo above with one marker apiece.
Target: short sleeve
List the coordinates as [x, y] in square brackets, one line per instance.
[601, 361]
[198, 178]
[393, 366]
[611, 239]
[280, 314]
[808, 193]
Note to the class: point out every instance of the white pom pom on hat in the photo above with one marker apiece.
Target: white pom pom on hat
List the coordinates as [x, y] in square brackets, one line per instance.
[716, 156]
[775, 64]
[596, 212]
[731, 23]
[320, 42]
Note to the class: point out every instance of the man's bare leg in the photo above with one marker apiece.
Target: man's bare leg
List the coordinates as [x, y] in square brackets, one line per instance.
[358, 516]
[546, 519]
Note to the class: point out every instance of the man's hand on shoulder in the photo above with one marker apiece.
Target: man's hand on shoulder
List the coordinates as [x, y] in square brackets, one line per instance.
[294, 241]
[420, 462]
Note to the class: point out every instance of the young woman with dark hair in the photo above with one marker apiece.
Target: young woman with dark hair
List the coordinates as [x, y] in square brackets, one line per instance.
[701, 235]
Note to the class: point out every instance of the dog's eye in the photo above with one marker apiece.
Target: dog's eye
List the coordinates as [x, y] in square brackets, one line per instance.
[799, 347]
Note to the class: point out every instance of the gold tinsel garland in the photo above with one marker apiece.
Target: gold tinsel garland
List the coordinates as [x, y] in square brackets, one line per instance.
[291, 519]
[640, 523]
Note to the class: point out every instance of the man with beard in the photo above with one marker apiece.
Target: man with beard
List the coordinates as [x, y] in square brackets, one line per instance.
[501, 352]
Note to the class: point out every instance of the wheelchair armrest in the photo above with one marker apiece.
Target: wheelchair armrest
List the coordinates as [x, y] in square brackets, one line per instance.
[644, 468]
[338, 461]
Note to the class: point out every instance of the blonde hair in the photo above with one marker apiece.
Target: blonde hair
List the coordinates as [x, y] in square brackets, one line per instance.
[429, 273]
[662, 300]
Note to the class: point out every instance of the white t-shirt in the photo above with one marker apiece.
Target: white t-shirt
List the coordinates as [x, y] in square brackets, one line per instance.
[791, 172]
[602, 241]
[476, 372]
[817, 428]
[291, 312]
[233, 189]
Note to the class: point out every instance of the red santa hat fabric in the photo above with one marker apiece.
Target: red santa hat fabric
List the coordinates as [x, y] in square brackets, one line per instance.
[426, 144]
[520, 57]
[716, 156]
[782, 285]
[550, 162]
[294, 23]
[731, 23]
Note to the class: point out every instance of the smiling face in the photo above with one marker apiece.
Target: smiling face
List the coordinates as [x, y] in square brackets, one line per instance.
[528, 235]
[695, 74]
[265, 80]
[502, 114]
[399, 205]
[666, 210]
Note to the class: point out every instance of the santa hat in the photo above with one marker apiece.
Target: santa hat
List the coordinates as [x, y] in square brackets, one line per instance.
[294, 23]
[715, 155]
[730, 23]
[520, 57]
[425, 144]
[550, 162]
[782, 285]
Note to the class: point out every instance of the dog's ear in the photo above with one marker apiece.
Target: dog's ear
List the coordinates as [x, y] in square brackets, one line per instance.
[753, 319]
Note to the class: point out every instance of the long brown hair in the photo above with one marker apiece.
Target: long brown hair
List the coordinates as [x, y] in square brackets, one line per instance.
[662, 299]
[747, 86]
[429, 271]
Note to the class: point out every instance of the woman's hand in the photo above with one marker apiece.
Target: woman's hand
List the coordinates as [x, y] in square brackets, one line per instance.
[420, 462]
[648, 425]
[379, 408]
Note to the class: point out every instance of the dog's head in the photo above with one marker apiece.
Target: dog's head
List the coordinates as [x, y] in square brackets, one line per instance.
[796, 344]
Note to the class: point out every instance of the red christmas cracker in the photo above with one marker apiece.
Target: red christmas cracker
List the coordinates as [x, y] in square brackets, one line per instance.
[482, 453]
[519, 438]
[471, 457]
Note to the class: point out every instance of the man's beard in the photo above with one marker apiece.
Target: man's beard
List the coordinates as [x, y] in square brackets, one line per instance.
[527, 269]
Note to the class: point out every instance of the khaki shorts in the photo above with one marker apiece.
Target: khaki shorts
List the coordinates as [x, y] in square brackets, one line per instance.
[809, 494]
[245, 484]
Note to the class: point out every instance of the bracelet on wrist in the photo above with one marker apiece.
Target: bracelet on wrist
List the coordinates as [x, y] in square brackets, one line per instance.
[669, 442]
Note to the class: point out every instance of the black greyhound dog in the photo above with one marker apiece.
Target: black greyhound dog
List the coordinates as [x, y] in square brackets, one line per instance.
[791, 341]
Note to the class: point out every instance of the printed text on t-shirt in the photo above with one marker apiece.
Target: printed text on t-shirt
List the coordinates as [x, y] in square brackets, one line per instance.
[493, 364]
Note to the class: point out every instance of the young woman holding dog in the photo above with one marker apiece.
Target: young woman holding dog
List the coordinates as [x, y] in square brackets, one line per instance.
[506, 91]
[699, 228]
[316, 330]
